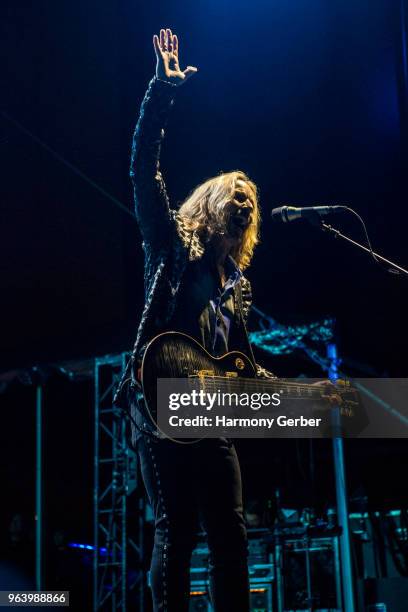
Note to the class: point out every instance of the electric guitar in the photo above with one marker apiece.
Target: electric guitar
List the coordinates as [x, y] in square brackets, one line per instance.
[178, 355]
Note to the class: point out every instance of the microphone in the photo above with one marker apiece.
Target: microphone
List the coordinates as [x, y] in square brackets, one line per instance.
[284, 214]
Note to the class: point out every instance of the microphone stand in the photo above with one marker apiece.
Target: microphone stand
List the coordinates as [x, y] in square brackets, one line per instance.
[346, 563]
[338, 448]
[337, 234]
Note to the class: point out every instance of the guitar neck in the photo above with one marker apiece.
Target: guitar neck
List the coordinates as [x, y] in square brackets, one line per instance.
[229, 384]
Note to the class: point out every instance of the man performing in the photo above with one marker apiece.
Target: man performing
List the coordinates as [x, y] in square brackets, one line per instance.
[194, 258]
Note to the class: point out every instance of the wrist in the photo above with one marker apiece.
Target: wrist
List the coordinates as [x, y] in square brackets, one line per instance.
[164, 80]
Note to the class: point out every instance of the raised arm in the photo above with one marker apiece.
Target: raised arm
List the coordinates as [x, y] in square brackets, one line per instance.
[151, 201]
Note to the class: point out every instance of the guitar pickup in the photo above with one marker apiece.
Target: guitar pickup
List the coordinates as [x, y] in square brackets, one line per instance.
[203, 373]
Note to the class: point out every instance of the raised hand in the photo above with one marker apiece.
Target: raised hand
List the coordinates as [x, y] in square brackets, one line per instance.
[167, 67]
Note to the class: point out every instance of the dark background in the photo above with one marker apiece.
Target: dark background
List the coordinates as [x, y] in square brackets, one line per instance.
[308, 97]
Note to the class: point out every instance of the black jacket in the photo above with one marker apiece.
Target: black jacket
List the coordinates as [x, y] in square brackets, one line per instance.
[168, 244]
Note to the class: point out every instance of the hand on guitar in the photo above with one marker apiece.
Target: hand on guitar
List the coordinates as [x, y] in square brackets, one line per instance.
[166, 47]
[331, 392]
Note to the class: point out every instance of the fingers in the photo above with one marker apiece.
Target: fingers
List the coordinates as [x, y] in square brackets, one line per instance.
[156, 45]
[163, 40]
[175, 45]
[334, 399]
[169, 40]
[166, 41]
[188, 72]
[166, 46]
[331, 393]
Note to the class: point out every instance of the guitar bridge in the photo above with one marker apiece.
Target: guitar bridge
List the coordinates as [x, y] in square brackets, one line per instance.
[203, 373]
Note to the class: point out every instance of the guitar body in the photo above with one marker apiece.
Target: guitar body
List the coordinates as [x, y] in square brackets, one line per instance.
[177, 355]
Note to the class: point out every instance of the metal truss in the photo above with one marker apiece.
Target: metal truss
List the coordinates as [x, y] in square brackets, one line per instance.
[114, 480]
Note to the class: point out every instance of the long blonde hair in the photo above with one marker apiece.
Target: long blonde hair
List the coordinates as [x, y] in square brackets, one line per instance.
[205, 211]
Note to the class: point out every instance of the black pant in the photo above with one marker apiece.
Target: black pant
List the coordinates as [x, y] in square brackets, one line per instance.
[187, 484]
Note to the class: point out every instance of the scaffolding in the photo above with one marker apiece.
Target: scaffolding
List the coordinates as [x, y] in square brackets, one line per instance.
[114, 480]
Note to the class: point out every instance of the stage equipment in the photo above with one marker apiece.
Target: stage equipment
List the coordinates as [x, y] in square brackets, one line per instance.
[260, 598]
[313, 214]
[381, 552]
[381, 543]
[384, 594]
[114, 479]
[280, 339]
[330, 364]
[261, 573]
[307, 571]
[341, 495]
[284, 214]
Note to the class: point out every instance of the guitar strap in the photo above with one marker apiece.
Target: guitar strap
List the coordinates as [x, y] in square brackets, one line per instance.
[248, 351]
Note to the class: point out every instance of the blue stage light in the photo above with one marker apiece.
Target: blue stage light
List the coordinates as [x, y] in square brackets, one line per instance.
[102, 550]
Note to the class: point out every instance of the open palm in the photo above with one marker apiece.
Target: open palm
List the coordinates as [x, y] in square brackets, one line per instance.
[166, 47]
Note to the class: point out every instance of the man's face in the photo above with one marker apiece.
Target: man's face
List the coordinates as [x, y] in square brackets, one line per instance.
[240, 209]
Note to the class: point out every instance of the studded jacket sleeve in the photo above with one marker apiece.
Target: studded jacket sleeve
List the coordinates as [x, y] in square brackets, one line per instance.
[151, 200]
